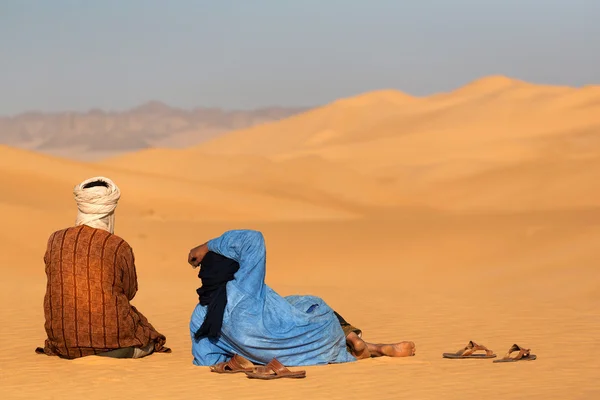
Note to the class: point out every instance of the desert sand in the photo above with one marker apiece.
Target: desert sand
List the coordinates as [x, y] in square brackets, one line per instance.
[470, 215]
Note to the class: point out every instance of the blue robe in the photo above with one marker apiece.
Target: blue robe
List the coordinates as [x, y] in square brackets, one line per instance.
[259, 324]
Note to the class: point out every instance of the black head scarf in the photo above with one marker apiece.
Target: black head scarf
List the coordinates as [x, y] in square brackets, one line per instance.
[215, 271]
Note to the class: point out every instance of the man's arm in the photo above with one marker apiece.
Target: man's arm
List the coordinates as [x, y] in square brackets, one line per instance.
[247, 247]
[49, 248]
[130, 283]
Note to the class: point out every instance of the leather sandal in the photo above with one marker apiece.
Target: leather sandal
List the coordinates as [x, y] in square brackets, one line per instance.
[469, 350]
[523, 355]
[235, 365]
[275, 370]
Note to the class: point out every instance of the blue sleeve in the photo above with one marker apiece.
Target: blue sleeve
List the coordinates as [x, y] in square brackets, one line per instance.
[247, 247]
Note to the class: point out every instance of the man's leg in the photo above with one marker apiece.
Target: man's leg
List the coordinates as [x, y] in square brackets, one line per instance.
[126, 352]
[129, 352]
[347, 327]
[402, 349]
[356, 346]
[143, 351]
[361, 349]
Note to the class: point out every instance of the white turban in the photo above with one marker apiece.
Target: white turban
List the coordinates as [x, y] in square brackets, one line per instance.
[97, 204]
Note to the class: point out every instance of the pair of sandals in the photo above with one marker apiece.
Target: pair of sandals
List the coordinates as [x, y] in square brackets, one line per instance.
[470, 352]
[273, 370]
[276, 370]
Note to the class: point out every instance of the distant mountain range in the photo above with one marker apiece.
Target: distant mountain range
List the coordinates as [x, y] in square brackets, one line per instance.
[97, 133]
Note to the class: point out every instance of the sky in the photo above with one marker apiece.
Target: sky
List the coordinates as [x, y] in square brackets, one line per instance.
[58, 55]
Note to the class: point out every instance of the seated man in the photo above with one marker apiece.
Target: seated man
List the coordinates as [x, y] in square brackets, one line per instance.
[91, 279]
[239, 314]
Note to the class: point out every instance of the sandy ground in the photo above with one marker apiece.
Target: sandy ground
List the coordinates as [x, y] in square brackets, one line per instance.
[473, 215]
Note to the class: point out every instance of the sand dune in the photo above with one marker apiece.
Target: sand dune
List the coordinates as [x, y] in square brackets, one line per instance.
[489, 109]
[389, 149]
[469, 215]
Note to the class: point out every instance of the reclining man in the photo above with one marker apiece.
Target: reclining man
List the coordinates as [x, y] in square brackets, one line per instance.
[91, 280]
[239, 315]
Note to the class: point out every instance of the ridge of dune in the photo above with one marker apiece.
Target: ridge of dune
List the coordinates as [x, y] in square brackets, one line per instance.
[362, 116]
[10, 157]
[487, 84]
[351, 117]
[498, 83]
[375, 98]
[388, 149]
[314, 127]
[16, 161]
[486, 94]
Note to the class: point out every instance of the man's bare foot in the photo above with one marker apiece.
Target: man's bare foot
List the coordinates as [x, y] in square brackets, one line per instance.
[358, 346]
[402, 349]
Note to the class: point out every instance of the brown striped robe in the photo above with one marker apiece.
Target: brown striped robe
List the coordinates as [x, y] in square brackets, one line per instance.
[91, 279]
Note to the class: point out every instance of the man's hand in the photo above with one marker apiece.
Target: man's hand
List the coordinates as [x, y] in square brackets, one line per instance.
[197, 254]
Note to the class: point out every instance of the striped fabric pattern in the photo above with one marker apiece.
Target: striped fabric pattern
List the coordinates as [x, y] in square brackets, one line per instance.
[91, 279]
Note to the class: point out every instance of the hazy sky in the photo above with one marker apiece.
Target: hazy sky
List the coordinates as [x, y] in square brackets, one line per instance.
[115, 54]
